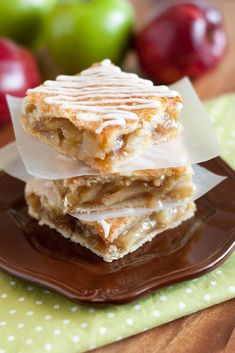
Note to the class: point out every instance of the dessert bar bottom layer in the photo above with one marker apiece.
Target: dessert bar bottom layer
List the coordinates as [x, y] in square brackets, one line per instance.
[142, 228]
[143, 188]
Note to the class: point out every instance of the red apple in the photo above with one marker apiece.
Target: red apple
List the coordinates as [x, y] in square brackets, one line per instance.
[18, 72]
[183, 39]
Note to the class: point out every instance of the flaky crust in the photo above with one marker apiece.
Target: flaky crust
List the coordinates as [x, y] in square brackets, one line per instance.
[143, 175]
[142, 189]
[36, 100]
[110, 252]
[133, 231]
[109, 137]
[48, 195]
[111, 161]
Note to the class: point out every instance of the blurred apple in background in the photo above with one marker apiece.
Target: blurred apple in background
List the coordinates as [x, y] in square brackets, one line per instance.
[78, 33]
[18, 72]
[21, 20]
[185, 38]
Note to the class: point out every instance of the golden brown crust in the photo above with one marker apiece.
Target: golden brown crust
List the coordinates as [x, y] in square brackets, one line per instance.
[135, 175]
[93, 154]
[117, 227]
[143, 189]
[100, 145]
[91, 236]
[48, 196]
[35, 101]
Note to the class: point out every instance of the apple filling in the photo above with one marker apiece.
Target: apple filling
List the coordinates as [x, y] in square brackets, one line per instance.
[87, 234]
[61, 133]
[86, 145]
[116, 192]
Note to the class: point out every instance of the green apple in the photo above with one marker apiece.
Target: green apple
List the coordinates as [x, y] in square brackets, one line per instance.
[81, 32]
[21, 20]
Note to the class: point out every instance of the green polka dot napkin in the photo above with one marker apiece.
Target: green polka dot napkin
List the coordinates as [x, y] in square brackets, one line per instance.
[222, 112]
[34, 320]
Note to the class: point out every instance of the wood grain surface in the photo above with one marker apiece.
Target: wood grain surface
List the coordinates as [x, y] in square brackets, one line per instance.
[208, 331]
[211, 330]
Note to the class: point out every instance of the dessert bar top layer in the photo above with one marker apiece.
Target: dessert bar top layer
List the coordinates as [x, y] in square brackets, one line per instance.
[101, 99]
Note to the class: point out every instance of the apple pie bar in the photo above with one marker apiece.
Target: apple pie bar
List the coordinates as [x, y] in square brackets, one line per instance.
[102, 116]
[112, 238]
[140, 188]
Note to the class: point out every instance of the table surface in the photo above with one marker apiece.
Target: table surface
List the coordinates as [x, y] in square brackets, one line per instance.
[211, 330]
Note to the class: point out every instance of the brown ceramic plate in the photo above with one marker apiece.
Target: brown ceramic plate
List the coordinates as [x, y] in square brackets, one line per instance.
[40, 255]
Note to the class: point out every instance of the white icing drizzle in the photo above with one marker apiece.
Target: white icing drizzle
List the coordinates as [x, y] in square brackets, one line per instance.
[120, 121]
[119, 94]
[106, 227]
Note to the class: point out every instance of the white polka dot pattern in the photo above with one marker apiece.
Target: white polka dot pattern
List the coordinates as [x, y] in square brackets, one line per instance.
[207, 297]
[110, 315]
[57, 332]
[156, 313]
[181, 305]
[84, 324]
[129, 321]
[163, 298]
[102, 330]
[48, 346]
[48, 321]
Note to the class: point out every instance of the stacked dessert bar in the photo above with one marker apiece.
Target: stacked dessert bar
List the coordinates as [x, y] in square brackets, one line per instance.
[106, 118]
